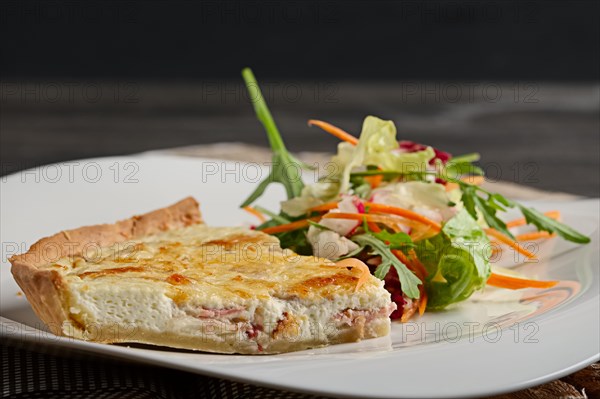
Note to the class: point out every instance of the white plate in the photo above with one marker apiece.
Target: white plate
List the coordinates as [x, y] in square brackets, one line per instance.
[497, 342]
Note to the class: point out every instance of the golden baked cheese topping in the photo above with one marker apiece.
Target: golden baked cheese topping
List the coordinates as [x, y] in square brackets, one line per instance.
[200, 261]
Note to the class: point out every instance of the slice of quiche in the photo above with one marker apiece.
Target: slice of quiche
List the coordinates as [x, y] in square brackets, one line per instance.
[165, 278]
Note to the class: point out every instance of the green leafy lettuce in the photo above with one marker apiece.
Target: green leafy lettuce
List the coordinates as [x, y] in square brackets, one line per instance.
[456, 261]
[311, 196]
[378, 146]
[417, 194]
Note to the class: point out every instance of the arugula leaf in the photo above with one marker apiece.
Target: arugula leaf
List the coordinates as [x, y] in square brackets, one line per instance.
[500, 199]
[543, 222]
[461, 165]
[458, 166]
[488, 210]
[468, 192]
[283, 163]
[496, 202]
[398, 240]
[486, 206]
[455, 170]
[465, 158]
[408, 281]
[383, 269]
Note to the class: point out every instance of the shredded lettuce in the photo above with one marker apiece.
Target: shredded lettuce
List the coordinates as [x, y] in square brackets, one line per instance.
[456, 260]
[378, 146]
[416, 195]
[311, 196]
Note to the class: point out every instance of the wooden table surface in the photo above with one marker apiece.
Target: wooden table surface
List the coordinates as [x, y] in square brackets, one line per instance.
[540, 135]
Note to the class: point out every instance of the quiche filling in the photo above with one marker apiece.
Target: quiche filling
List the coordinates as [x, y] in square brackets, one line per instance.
[227, 284]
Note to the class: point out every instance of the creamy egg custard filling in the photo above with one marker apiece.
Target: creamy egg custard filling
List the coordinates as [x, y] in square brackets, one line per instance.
[216, 289]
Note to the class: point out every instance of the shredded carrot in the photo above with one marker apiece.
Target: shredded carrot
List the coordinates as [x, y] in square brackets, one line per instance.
[418, 265]
[299, 224]
[408, 313]
[351, 216]
[508, 241]
[373, 227]
[374, 181]
[256, 213]
[522, 221]
[474, 180]
[336, 131]
[450, 186]
[400, 255]
[422, 233]
[422, 300]
[415, 265]
[324, 207]
[416, 268]
[356, 263]
[515, 283]
[536, 235]
[384, 219]
[405, 213]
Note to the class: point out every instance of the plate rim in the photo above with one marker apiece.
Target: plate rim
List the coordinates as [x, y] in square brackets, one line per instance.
[139, 358]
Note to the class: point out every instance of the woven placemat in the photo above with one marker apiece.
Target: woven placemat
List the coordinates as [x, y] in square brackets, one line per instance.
[32, 371]
[35, 371]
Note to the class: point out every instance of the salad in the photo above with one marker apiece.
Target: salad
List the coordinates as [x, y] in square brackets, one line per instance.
[410, 214]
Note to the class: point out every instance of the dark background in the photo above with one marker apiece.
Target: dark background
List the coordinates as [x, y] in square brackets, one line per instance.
[553, 40]
[167, 74]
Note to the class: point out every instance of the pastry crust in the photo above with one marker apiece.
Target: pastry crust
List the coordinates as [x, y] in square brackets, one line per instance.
[44, 288]
[40, 275]
[379, 327]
